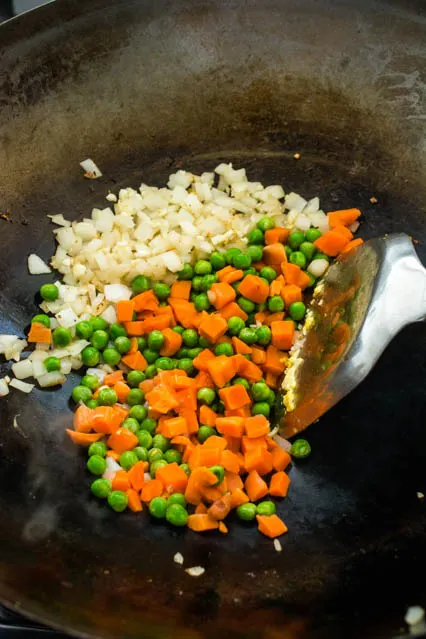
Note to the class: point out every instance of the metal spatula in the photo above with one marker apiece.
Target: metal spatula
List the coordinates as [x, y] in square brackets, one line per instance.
[365, 299]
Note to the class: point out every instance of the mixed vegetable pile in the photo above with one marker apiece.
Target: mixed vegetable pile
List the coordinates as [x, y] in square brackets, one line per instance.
[182, 422]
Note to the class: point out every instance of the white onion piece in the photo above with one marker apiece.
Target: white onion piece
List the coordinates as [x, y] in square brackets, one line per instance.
[283, 443]
[317, 268]
[90, 168]
[37, 266]
[4, 388]
[21, 386]
[111, 468]
[117, 292]
[23, 369]
[39, 368]
[303, 222]
[109, 315]
[75, 348]
[97, 372]
[147, 476]
[295, 202]
[66, 366]
[354, 226]
[54, 378]
[6, 341]
[312, 206]
[59, 220]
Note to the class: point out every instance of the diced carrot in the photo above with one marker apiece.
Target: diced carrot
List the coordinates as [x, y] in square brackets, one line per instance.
[83, 419]
[233, 481]
[187, 398]
[276, 360]
[276, 286]
[280, 459]
[200, 362]
[213, 327]
[279, 484]
[134, 501]
[238, 497]
[166, 310]
[125, 310]
[271, 526]
[103, 420]
[291, 293]
[112, 378]
[83, 439]
[224, 271]
[173, 476]
[122, 440]
[207, 416]
[134, 329]
[135, 361]
[230, 426]
[199, 477]
[304, 280]
[271, 380]
[202, 522]
[343, 230]
[274, 317]
[230, 461]
[291, 272]
[331, 243]
[221, 294]
[147, 385]
[233, 276]
[249, 370]
[121, 481]
[203, 380]
[283, 334]
[145, 301]
[345, 217]
[249, 444]
[233, 310]
[151, 489]
[258, 460]
[257, 426]
[162, 399]
[184, 311]
[201, 509]
[352, 244]
[244, 411]
[276, 235]
[172, 342]
[122, 390]
[258, 355]
[274, 254]
[137, 476]
[173, 427]
[203, 456]
[39, 334]
[234, 396]
[115, 456]
[260, 317]
[156, 323]
[215, 442]
[181, 289]
[241, 347]
[254, 288]
[255, 486]
[190, 417]
[223, 528]
[221, 508]
[222, 369]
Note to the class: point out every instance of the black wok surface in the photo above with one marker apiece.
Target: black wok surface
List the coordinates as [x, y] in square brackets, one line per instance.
[144, 88]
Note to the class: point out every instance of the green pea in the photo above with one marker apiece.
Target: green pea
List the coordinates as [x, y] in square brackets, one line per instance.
[41, 319]
[246, 512]
[128, 459]
[81, 394]
[250, 271]
[158, 507]
[312, 279]
[92, 403]
[101, 488]
[267, 508]
[144, 439]
[265, 224]
[275, 304]
[52, 364]
[61, 337]
[186, 365]
[263, 335]
[140, 284]
[235, 286]
[248, 335]
[190, 337]
[219, 471]
[186, 469]
[142, 344]
[208, 281]
[242, 381]
[298, 258]
[173, 456]
[155, 340]
[138, 411]
[260, 392]
[255, 237]
[204, 432]
[186, 273]
[117, 330]
[313, 234]
[131, 424]
[98, 324]
[135, 396]
[182, 352]
[111, 356]
[224, 349]
[97, 448]
[164, 364]
[231, 253]
[288, 251]
[295, 239]
[161, 442]
[242, 260]
[118, 500]
[202, 267]
[49, 292]
[134, 378]
[162, 291]
[271, 399]
[197, 283]
[100, 339]
[96, 465]
[206, 396]
[235, 325]
[308, 249]
[151, 371]
[90, 356]
[255, 252]
[217, 260]
[177, 515]
[268, 274]
[91, 381]
[246, 305]
[149, 424]
[297, 311]
[203, 343]
[177, 498]
[150, 355]
[300, 449]
[194, 352]
[141, 453]
[155, 465]
[107, 397]
[122, 345]
[261, 408]
[202, 302]
[155, 454]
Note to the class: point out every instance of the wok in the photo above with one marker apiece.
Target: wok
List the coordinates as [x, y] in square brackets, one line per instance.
[144, 88]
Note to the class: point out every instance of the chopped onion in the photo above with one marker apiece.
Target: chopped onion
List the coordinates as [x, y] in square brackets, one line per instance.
[283, 443]
[21, 386]
[277, 545]
[295, 202]
[178, 558]
[354, 226]
[39, 368]
[75, 348]
[195, 571]
[55, 378]
[98, 373]
[317, 268]
[59, 220]
[66, 318]
[4, 388]
[23, 369]
[109, 315]
[117, 292]
[303, 222]
[90, 168]
[37, 266]
[111, 468]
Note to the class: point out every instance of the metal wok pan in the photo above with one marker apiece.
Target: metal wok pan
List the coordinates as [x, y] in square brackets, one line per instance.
[146, 87]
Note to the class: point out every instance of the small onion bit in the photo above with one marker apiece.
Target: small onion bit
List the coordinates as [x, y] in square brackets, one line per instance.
[92, 172]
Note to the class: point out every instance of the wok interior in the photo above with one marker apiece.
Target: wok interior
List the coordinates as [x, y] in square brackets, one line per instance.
[143, 89]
